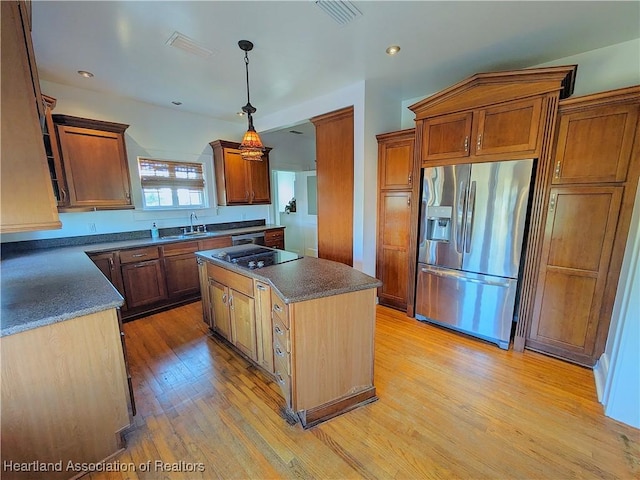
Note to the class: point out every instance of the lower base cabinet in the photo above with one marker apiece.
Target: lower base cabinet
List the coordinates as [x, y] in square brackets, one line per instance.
[63, 399]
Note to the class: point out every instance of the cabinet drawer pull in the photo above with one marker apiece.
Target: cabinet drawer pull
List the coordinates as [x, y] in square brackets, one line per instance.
[410, 178]
[277, 307]
[278, 351]
[479, 142]
[138, 255]
[552, 202]
[466, 143]
[259, 286]
[278, 330]
[279, 378]
[224, 299]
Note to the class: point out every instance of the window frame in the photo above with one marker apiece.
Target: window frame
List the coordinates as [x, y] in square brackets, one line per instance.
[192, 178]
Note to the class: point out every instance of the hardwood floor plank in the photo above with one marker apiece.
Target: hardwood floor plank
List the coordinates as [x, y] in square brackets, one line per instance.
[450, 407]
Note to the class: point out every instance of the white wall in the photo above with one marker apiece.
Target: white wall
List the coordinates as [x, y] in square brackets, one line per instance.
[617, 372]
[603, 69]
[156, 132]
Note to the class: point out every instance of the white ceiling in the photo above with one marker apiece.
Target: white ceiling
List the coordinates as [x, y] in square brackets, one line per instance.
[300, 52]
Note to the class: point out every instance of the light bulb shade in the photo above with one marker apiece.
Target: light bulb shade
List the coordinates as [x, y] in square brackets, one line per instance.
[251, 147]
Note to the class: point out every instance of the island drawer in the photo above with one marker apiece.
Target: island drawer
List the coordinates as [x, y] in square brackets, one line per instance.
[284, 381]
[280, 337]
[233, 280]
[280, 310]
[179, 248]
[139, 254]
[282, 359]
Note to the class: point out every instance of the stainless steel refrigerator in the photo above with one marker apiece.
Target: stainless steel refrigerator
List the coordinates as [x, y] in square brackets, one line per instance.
[472, 223]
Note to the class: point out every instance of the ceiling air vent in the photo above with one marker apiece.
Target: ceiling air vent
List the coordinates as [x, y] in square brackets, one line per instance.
[186, 44]
[340, 11]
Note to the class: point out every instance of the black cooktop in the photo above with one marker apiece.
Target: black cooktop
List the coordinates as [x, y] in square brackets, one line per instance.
[255, 256]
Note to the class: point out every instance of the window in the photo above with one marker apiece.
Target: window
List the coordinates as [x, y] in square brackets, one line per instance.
[168, 184]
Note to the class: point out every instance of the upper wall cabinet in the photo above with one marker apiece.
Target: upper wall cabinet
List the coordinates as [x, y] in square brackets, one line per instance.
[511, 128]
[94, 160]
[238, 181]
[595, 145]
[27, 202]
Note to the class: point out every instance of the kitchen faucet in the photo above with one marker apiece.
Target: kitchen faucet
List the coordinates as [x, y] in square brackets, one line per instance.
[191, 217]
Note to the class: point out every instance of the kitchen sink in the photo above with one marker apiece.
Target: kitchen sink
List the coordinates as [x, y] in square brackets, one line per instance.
[182, 236]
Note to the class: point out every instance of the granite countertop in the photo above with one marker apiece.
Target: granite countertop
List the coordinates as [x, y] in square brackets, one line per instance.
[45, 286]
[303, 279]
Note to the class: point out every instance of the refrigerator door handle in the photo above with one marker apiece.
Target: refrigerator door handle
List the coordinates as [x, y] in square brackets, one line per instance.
[456, 275]
[471, 205]
[460, 214]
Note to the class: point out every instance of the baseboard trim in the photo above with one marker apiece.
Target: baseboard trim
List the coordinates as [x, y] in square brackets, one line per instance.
[600, 373]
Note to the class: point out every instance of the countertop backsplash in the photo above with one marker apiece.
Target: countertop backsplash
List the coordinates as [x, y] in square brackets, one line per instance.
[27, 245]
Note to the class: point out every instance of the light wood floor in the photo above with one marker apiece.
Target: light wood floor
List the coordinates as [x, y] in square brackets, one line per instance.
[449, 407]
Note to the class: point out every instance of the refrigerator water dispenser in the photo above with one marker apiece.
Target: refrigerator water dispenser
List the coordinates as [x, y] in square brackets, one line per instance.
[439, 223]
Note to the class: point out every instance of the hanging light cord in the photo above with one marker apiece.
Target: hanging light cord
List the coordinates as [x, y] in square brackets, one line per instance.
[248, 108]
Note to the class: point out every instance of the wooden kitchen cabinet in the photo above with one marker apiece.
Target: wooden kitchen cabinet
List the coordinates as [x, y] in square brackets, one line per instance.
[65, 395]
[181, 268]
[219, 308]
[274, 238]
[264, 337]
[595, 145]
[143, 277]
[394, 217]
[243, 323]
[395, 197]
[506, 130]
[109, 265]
[238, 181]
[395, 160]
[335, 174]
[314, 375]
[95, 164]
[596, 168]
[581, 225]
[27, 201]
[233, 308]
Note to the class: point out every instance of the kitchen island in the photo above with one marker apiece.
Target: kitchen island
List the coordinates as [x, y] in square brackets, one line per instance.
[308, 322]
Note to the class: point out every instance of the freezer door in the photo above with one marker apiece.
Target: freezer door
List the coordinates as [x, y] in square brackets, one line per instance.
[478, 305]
[444, 192]
[495, 217]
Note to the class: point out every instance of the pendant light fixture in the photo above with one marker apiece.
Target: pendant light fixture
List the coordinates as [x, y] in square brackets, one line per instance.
[251, 147]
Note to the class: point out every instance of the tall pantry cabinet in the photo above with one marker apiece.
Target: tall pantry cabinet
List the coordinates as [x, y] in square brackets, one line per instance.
[395, 198]
[596, 167]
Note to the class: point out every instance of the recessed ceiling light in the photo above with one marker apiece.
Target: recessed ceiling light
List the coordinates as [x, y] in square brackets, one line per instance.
[393, 49]
[85, 74]
[176, 103]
